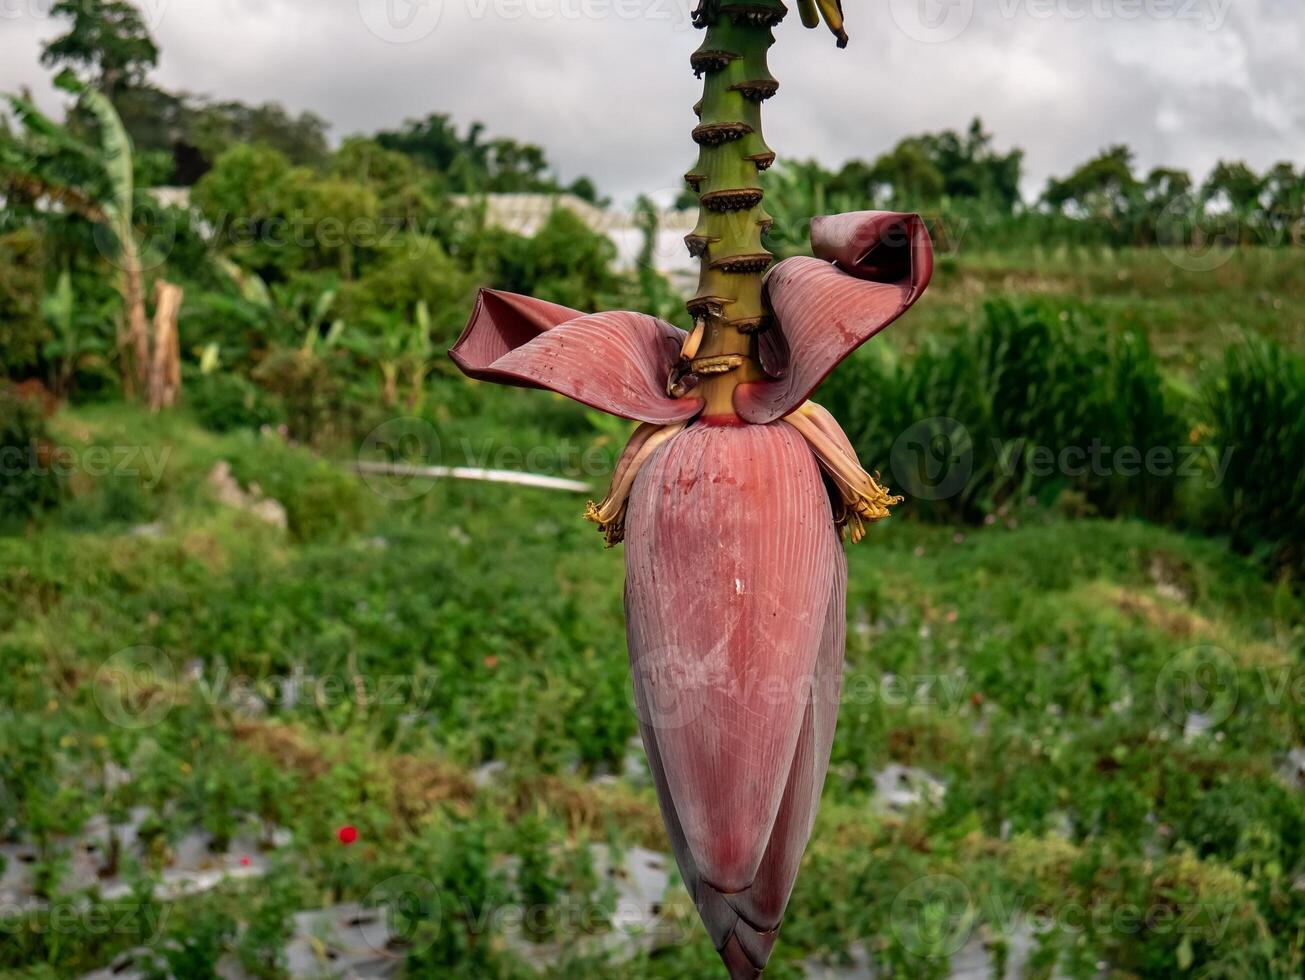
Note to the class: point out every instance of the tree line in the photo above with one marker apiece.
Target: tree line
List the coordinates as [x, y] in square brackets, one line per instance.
[968, 185]
[285, 238]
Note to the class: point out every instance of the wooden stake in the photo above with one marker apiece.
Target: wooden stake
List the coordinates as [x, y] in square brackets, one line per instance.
[165, 366]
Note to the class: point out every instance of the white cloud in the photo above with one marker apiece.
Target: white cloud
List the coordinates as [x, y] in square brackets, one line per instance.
[605, 86]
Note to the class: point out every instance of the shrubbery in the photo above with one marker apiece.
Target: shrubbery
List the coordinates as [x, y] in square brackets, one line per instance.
[223, 402]
[981, 416]
[306, 387]
[29, 483]
[1257, 410]
[22, 328]
[322, 500]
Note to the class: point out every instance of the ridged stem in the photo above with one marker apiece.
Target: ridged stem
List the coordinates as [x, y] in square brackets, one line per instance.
[731, 219]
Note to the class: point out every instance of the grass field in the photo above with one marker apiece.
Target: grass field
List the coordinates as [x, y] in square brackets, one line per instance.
[1066, 743]
[1192, 305]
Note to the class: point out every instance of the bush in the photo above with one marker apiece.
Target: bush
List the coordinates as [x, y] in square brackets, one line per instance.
[269, 927]
[308, 390]
[29, 482]
[197, 937]
[108, 499]
[223, 402]
[414, 269]
[1256, 407]
[565, 262]
[1034, 400]
[22, 327]
[322, 500]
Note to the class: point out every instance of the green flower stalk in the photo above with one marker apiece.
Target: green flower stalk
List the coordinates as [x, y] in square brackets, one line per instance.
[732, 219]
[728, 309]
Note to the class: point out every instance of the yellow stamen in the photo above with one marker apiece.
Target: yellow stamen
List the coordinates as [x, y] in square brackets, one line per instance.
[692, 342]
[681, 378]
[864, 499]
[610, 514]
[718, 364]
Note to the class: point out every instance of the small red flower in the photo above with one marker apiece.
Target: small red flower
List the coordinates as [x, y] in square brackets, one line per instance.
[347, 835]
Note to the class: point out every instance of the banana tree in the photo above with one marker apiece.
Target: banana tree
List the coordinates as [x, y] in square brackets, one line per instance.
[400, 347]
[282, 309]
[98, 183]
[732, 492]
[71, 345]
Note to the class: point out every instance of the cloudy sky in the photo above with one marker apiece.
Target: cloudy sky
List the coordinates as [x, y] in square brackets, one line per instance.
[605, 86]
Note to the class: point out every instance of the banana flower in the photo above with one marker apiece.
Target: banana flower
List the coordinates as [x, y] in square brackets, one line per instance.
[730, 495]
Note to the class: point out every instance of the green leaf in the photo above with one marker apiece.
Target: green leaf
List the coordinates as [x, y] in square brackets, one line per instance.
[252, 287]
[40, 125]
[115, 149]
[58, 306]
[1184, 954]
[333, 335]
[324, 303]
[210, 359]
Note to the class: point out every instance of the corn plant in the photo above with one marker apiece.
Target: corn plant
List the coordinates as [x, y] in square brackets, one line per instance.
[1256, 405]
[735, 578]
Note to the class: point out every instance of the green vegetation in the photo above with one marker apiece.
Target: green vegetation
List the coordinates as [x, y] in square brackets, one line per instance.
[970, 191]
[1074, 706]
[1258, 402]
[1036, 667]
[1191, 311]
[29, 483]
[1012, 392]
